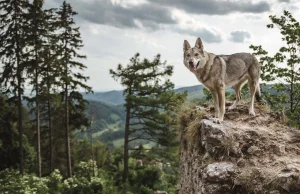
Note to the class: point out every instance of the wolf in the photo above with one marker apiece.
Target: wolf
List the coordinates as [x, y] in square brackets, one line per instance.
[216, 72]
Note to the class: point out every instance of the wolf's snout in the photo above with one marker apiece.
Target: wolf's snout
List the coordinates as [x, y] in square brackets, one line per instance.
[192, 66]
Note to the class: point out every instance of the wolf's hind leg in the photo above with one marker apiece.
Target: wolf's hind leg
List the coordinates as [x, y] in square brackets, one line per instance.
[237, 88]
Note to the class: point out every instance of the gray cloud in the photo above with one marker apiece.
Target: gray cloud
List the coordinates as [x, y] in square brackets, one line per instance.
[216, 7]
[208, 35]
[157, 14]
[150, 15]
[240, 36]
[284, 1]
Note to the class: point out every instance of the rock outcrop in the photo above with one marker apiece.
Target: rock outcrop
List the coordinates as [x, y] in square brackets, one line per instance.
[244, 154]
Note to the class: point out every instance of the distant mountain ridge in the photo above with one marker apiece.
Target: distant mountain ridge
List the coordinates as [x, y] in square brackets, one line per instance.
[115, 97]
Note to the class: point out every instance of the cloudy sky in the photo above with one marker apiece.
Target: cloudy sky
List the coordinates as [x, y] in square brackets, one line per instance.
[114, 30]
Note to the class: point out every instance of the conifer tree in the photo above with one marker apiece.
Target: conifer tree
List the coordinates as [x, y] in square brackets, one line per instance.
[13, 56]
[37, 33]
[69, 41]
[50, 73]
[48, 92]
[149, 99]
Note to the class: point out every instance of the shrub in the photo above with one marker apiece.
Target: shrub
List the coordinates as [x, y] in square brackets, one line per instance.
[12, 182]
[81, 183]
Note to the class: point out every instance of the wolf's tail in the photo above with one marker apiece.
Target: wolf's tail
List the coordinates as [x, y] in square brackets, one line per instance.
[257, 93]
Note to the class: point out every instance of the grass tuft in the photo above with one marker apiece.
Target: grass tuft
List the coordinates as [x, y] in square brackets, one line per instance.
[189, 118]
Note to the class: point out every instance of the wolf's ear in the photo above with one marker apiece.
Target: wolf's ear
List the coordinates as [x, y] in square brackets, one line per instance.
[199, 44]
[186, 45]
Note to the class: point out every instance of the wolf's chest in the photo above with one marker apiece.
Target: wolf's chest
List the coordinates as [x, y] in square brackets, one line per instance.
[206, 81]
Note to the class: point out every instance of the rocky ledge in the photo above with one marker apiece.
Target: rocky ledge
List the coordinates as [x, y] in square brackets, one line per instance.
[244, 154]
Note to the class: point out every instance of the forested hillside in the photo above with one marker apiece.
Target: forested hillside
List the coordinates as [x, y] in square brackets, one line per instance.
[109, 121]
[108, 124]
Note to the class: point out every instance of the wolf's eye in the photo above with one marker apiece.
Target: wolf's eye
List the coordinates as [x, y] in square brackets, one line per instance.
[196, 54]
[188, 55]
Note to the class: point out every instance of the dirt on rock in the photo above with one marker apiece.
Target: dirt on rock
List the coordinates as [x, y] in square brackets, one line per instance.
[244, 154]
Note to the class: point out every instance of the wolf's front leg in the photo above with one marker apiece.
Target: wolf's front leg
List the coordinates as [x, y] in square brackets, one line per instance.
[221, 99]
[216, 102]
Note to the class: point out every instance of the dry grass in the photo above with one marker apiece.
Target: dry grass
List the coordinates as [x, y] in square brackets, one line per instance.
[262, 108]
[189, 118]
[225, 148]
[193, 129]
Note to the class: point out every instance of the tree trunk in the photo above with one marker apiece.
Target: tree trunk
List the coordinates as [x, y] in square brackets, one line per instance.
[50, 134]
[37, 116]
[49, 115]
[19, 79]
[126, 142]
[38, 125]
[20, 126]
[68, 132]
[126, 154]
[292, 90]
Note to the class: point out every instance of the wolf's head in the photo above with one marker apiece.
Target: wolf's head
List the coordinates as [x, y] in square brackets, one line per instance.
[194, 58]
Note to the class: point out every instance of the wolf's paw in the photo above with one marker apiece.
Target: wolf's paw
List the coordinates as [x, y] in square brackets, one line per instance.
[251, 113]
[217, 120]
[232, 107]
[216, 115]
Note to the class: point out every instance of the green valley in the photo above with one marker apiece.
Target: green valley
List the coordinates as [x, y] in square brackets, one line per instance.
[109, 116]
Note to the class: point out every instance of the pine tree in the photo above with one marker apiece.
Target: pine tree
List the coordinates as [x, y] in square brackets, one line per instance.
[50, 73]
[69, 41]
[48, 93]
[37, 33]
[12, 53]
[149, 100]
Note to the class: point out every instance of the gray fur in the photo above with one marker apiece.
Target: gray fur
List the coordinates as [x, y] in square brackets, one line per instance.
[216, 72]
